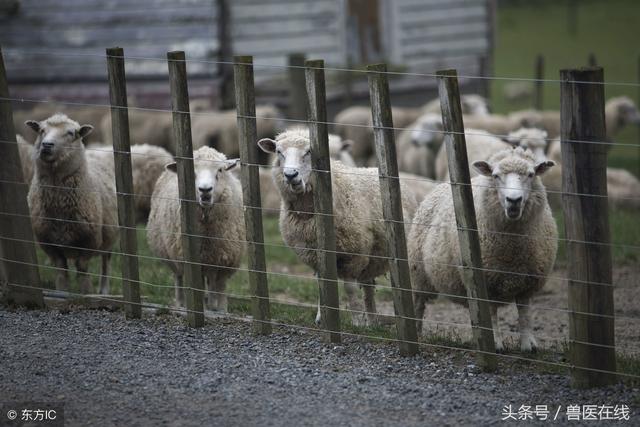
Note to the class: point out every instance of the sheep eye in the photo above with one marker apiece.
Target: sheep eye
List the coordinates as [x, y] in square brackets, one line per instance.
[496, 176]
[70, 133]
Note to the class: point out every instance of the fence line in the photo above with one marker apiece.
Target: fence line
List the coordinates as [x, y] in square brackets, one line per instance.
[338, 69]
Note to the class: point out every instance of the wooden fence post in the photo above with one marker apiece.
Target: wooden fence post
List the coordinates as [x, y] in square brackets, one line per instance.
[323, 200]
[471, 259]
[124, 182]
[297, 91]
[186, 187]
[538, 100]
[586, 217]
[247, 138]
[592, 61]
[392, 209]
[17, 242]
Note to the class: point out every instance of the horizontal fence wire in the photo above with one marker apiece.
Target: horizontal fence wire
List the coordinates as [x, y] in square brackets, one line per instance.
[40, 52]
[351, 334]
[312, 278]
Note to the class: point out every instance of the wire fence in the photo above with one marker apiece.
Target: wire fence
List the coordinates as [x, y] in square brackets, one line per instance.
[534, 278]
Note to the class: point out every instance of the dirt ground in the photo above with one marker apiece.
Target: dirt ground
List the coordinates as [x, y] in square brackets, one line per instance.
[550, 319]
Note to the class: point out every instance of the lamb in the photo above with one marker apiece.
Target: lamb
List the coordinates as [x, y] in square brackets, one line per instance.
[72, 201]
[510, 203]
[220, 220]
[418, 146]
[147, 164]
[361, 241]
[480, 146]
[219, 129]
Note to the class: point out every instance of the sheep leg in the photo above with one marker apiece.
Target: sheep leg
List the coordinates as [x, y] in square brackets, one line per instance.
[497, 336]
[216, 298]
[179, 290]
[62, 277]
[84, 281]
[104, 278]
[319, 312]
[527, 341]
[420, 302]
[369, 294]
[357, 317]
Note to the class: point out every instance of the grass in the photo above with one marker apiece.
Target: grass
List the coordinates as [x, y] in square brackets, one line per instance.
[607, 29]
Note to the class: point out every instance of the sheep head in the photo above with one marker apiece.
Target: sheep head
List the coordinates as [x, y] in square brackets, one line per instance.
[211, 175]
[58, 137]
[624, 110]
[474, 105]
[293, 159]
[428, 132]
[513, 173]
[532, 139]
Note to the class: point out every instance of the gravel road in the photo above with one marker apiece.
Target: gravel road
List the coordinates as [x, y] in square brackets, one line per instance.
[156, 371]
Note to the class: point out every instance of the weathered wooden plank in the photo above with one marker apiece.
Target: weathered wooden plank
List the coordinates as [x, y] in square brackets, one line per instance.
[449, 47]
[186, 188]
[124, 182]
[247, 138]
[17, 242]
[323, 200]
[469, 242]
[426, 16]
[586, 216]
[392, 209]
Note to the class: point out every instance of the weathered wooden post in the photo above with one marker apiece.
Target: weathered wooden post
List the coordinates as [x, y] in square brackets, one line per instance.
[392, 209]
[192, 279]
[471, 259]
[225, 54]
[586, 217]
[323, 200]
[124, 182]
[247, 139]
[17, 243]
[538, 101]
[297, 87]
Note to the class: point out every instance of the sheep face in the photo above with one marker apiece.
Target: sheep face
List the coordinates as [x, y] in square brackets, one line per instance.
[428, 132]
[513, 175]
[627, 112]
[58, 137]
[474, 105]
[211, 175]
[532, 139]
[293, 151]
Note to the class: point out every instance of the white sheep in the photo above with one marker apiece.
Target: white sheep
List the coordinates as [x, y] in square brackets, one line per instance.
[533, 139]
[80, 113]
[419, 145]
[220, 222]
[518, 238]
[72, 200]
[480, 146]
[147, 164]
[361, 241]
[472, 104]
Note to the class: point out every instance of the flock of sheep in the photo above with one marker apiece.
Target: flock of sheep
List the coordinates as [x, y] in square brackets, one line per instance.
[516, 169]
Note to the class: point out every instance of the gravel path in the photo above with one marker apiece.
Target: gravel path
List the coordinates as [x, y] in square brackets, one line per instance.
[109, 371]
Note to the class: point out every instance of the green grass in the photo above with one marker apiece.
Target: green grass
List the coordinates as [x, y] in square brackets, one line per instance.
[609, 29]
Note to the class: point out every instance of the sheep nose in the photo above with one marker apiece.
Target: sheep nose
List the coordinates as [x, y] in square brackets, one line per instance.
[514, 201]
[205, 189]
[47, 145]
[290, 174]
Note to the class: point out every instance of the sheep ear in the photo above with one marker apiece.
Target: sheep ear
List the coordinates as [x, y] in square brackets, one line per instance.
[34, 125]
[483, 168]
[85, 130]
[231, 163]
[347, 144]
[542, 167]
[173, 167]
[267, 145]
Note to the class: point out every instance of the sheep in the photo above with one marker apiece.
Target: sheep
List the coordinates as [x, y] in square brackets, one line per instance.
[219, 129]
[510, 204]
[472, 104]
[220, 221]
[418, 146]
[147, 164]
[533, 139]
[338, 150]
[81, 113]
[480, 146]
[147, 127]
[623, 188]
[500, 125]
[72, 200]
[619, 112]
[361, 242]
